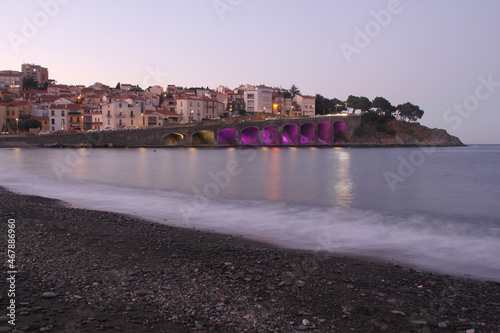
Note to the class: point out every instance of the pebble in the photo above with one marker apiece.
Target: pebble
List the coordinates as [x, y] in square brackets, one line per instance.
[49, 294]
[141, 292]
[306, 322]
[399, 313]
[443, 325]
[418, 322]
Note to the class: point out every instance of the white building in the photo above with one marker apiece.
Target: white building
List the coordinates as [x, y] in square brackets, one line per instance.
[307, 105]
[257, 98]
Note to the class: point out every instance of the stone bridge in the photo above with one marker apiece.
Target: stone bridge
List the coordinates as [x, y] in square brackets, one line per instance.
[274, 132]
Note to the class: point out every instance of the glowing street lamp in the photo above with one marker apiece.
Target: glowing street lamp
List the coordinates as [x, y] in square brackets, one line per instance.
[17, 125]
[336, 106]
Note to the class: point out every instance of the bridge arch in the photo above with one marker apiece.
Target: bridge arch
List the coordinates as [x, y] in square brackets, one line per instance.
[203, 138]
[271, 135]
[339, 128]
[228, 136]
[324, 132]
[307, 133]
[290, 134]
[174, 139]
[250, 136]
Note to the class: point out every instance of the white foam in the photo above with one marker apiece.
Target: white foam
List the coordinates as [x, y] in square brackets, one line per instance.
[446, 246]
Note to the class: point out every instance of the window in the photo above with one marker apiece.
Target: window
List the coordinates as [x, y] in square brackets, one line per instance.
[62, 113]
[131, 121]
[52, 112]
[109, 122]
[250, 96]
[62, 121]
[120, 105]
[52, 122]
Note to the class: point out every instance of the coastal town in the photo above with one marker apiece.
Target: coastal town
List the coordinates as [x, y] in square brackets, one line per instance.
[31, 102]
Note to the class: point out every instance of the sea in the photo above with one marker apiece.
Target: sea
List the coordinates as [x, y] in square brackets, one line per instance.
[433, 209]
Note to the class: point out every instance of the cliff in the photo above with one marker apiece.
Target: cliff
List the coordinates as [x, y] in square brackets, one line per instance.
[383, 131]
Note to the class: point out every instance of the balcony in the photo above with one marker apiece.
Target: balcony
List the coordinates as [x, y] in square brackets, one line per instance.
[120, 115]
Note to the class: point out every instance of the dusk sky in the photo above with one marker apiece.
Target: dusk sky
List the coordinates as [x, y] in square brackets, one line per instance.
[441, 55]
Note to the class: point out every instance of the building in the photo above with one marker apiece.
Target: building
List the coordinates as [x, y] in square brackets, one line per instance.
[11, 81]
[235, 102]
[307, 105]
[11, 113]
[257, 98]
[65, 116]
[121, 114]
[282, 105]
[38, 73]
[192, 108]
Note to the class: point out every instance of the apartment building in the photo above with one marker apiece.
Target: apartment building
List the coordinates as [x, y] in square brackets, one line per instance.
[307, 104]
[37, 72]
[11, 80]
[192, 108]
[120, 114]
[257, 98]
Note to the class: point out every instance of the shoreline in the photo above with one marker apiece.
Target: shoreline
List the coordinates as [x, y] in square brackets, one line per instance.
[114, 272]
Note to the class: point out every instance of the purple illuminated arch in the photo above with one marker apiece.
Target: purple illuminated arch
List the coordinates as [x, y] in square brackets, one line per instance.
[324, 132]
[339, 128]
[250, 136]
[228, 136]
[307, 134]
[290, 134]
[270, 135]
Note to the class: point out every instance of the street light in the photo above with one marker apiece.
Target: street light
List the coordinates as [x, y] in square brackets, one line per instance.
[337, 105]
[17, 125]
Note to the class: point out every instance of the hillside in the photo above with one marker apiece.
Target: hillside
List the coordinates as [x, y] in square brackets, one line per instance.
[379, 130]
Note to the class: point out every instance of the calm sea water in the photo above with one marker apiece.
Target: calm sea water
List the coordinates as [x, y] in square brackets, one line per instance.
[436, 209]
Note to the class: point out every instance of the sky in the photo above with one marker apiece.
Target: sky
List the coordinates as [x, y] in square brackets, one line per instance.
[440, 55]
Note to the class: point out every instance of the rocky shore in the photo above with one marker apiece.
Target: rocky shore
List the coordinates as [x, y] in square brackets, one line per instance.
[86, 271]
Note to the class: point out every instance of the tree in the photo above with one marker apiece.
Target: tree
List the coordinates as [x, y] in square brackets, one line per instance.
[338, 105]
[294, 90]
[384, 105]
[136, 89]
[29, 123]
[364, 103]
[409, 112]
[29, 83]
[323, 105]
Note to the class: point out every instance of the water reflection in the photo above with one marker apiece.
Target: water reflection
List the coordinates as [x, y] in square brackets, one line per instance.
[274, 185]
[342, 184]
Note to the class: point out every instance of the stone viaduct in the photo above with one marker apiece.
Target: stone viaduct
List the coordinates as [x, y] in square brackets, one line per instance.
[328, 130]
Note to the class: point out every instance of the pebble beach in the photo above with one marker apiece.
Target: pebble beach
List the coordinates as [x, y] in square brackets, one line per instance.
[79, 270]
